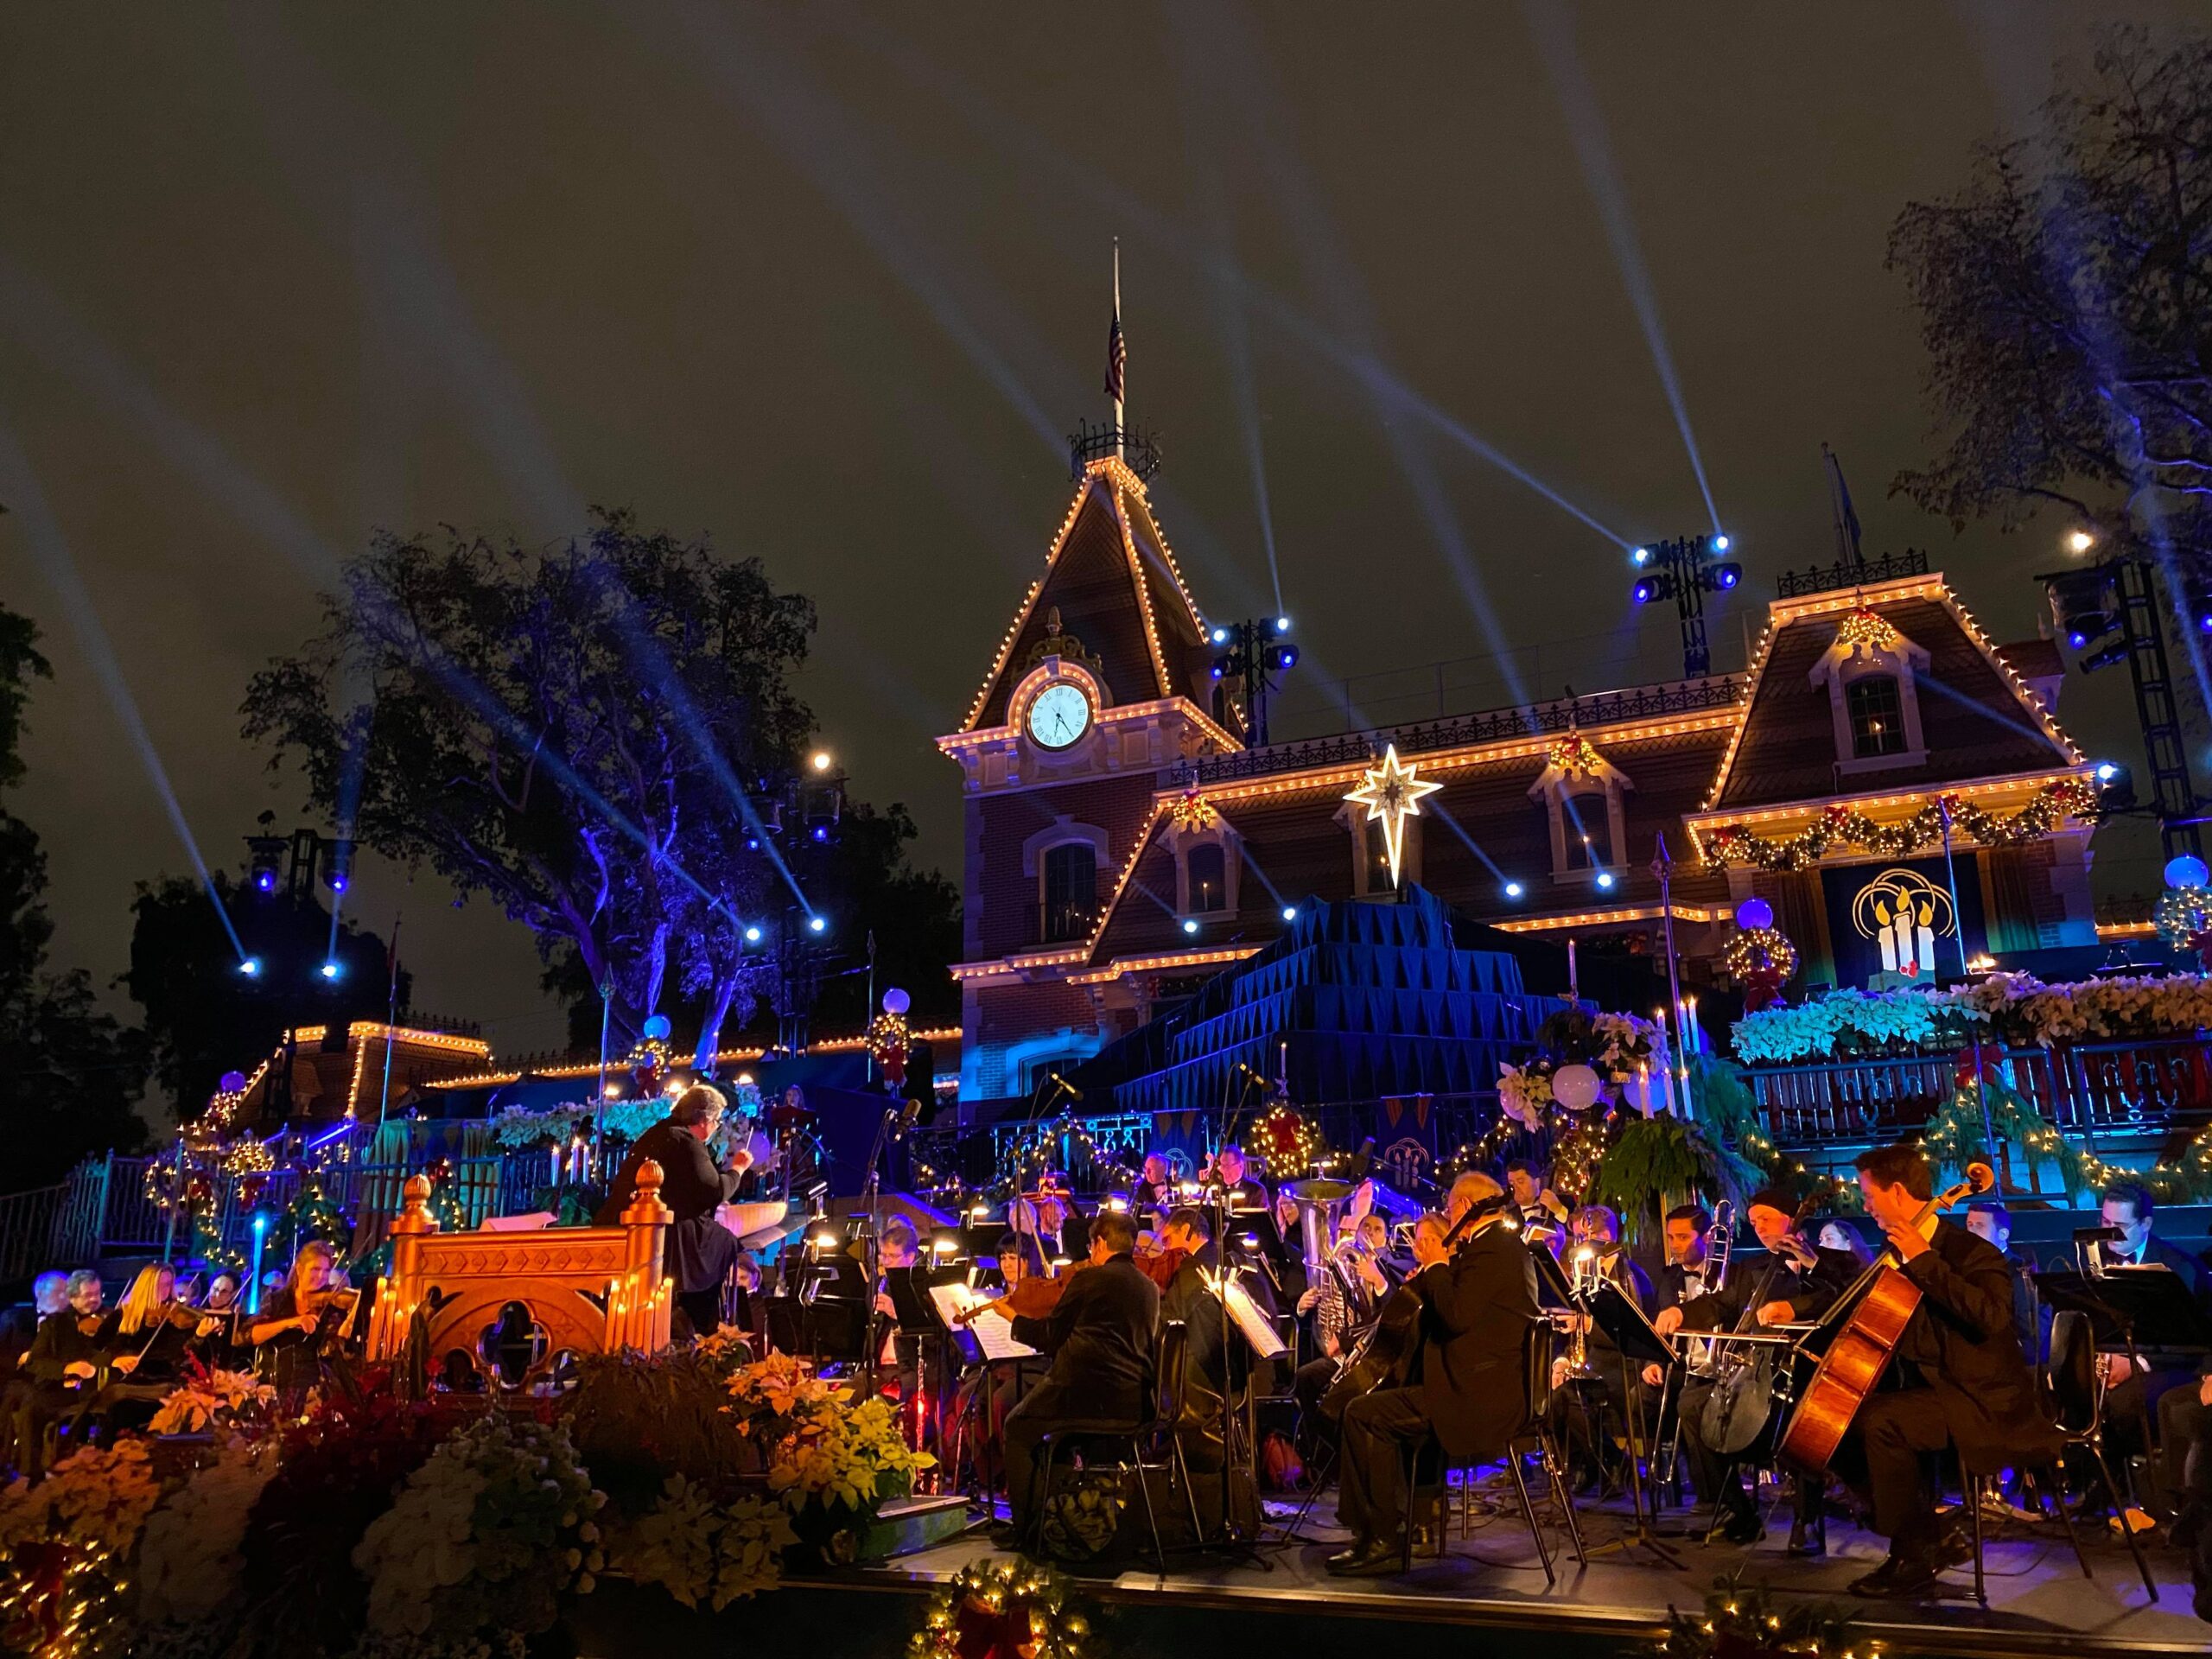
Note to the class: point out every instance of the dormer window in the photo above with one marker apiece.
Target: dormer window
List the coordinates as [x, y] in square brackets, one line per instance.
[1871, 674]
[1876, 710]
[1207, 857]
[1581, 792]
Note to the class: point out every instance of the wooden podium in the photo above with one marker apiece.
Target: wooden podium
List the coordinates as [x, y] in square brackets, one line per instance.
[593, 1289]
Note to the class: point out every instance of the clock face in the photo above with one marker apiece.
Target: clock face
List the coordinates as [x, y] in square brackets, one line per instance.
[1059, 715]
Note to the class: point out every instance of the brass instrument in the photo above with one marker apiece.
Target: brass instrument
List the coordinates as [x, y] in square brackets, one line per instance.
[1320, 1203]
[1699, 1356]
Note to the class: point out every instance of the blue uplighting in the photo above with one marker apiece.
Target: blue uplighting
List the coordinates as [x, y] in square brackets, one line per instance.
[250, 966]
[1604, 878]
[260, 1221]
[2106, 772]
[2076, 638]
[266, 881]
[330, 971]
[1290, 913]
[1641, 556]
[1282, 625]
[821, 832]
[1729, 575]
[753, 934]
[1189, 925]
[338, 881]
[1221, 635]
[1720, 543]
[816, 924]
[1513, 889]
[1644, 591]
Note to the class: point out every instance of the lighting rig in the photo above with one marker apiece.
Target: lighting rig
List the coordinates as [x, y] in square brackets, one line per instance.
[1686, 571]
[1248, 653]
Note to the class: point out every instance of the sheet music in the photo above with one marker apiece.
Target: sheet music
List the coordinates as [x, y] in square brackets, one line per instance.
[1244, 1313]
[993, 1336]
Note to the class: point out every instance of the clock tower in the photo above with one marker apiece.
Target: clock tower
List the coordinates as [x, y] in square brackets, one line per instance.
[1100, 694]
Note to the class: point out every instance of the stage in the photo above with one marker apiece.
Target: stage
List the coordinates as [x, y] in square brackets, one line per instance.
[1285, 1601]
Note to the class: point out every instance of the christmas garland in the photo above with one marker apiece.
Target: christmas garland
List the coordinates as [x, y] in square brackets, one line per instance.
[999, 1610]
[1847, 827]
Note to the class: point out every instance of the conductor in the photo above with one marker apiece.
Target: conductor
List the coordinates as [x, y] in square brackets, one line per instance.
[701, 1250]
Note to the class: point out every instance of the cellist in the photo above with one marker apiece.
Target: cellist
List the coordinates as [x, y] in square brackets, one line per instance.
[1966, 1382]
[1801, 1282]
[1467, 1392]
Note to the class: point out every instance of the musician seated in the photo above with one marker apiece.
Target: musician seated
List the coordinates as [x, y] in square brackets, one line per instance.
[1155, 1185]
[1227, 1180]
[218, 1344]
[1353, 1283]
[1988, 1219]
[38, 1395]
[701, 1250]
[154, 1332]
[1576, 1399]
[1102, 1343]
[303, 1318]
[71, 1348]
[1799, 1283]
[1060, 1231]
[1965, 1381]
[1543, 1213]
[2135, 1392]
[1467, 1392]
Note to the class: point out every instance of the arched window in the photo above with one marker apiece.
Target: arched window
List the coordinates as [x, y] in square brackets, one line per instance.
[1070, 891]
[1208, 875]
[1875, 709]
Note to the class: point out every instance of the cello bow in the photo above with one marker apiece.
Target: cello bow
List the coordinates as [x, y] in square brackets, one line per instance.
[1885, 1300]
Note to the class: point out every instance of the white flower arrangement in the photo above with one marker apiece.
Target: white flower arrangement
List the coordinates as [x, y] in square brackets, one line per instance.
[189, 1563]
[2015, 1007]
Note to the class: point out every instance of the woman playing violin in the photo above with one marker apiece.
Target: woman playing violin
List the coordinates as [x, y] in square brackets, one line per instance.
[312, 1307]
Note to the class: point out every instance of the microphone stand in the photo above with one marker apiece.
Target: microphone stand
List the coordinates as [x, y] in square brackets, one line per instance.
[870, 1252]
[1232, 1105]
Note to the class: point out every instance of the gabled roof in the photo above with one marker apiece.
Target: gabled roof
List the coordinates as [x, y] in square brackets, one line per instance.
[1120, 597]
[1982, 722]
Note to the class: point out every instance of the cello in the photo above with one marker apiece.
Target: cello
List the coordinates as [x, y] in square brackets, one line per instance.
[1883, 1302]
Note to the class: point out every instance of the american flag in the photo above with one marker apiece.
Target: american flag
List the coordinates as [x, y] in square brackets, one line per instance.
[1117, 357]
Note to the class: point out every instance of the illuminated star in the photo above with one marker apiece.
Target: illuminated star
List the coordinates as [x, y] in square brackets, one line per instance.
[1392, 794]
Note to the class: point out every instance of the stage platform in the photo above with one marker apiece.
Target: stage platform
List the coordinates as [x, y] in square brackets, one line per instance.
[1488, 1587]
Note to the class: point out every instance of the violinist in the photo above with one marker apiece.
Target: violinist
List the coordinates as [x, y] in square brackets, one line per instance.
[18, 1392]
[309, 1314]
[67, 1359]
[153, 1332]
[1968, 1384]
[1465, 1391]
[217, 1343]
[1800, 1283]
[1102, 1339]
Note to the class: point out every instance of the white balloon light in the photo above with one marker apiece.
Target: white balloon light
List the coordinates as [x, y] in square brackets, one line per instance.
[1575, 1087]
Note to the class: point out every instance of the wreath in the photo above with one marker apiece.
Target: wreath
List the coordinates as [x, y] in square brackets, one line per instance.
[999, 1610]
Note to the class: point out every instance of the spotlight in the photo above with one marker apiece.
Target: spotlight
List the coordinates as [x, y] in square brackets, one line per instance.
[1641, 556]
[1644, 592]
[329, 970]
[1216, 671]
[250, 966]
[1513, 889]
[1221, 635]
[820, 761]
[264, 880]
[821, 833]
[2114, 652]
[817, 924]
[265, 858]
[753, 934]
[1282, 625]
[1604, 878]
[1720, 543]
[1283, 656]
[1727, 575]
[1189, 925]
[2079, 541]
[2106, 772]
[753, 843]
[1290, 913]
[338, 865]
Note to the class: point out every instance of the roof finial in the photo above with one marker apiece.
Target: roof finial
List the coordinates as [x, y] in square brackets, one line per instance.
[1117, 354]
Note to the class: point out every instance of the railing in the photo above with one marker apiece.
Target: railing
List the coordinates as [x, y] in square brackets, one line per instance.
[27, 1223]
[1826, 579]
[1137, 450]
[1489, 725]
[2089, 1089]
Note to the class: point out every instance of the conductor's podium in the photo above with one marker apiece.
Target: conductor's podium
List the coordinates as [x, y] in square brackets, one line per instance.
[590, 1289]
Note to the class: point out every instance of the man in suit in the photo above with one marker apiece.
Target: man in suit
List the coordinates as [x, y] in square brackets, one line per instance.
[1238, 1191]
[2136, 1394]
[1574, 1401]
[1105, 1358]
[701, 1250]
[1968, 1384]
[1990, 1220]
[1468, 1393]
[1798, 1283]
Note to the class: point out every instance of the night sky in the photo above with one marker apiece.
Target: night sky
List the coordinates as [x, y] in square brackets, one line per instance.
[832, 285]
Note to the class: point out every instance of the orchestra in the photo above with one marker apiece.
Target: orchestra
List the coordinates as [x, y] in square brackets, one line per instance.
[1405, 1336]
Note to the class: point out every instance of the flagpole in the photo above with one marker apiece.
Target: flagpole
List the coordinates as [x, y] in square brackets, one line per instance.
[1120, 387]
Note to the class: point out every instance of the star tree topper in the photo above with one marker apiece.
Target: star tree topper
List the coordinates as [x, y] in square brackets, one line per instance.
[1392, 793]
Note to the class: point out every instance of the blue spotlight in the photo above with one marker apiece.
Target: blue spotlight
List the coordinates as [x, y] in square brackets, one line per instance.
[1641, 556]
[1645, 591]
[1216, 671]
[753, 934]
[1728, 575]
[1221, 635]
[1282, 625]
[2106, 772]
[817, 924]
[1720, 543]
[753, 843]
[264, 881]
[250, 966]
[1604, 878]
[1290, 913]
[330, 971]
[821, 832]
[1513, 889]
[2076, 638]
[1190, 925]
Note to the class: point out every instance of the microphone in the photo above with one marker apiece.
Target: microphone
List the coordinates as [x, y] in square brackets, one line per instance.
[1073, 1092]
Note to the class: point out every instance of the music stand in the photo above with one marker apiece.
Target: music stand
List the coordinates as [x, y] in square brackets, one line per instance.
[2132, 1309]
[1614, 1310]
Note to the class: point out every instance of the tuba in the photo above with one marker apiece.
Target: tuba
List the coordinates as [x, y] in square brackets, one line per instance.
[1320, 1205]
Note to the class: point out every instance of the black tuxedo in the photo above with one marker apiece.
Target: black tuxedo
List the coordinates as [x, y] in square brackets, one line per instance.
[2133, 1405]
[1966, 1382]
[1102, 1342]
[1468, 1393]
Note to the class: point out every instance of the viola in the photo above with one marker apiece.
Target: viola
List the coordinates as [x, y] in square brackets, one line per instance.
[1856, 1360]
[1034, 1297]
